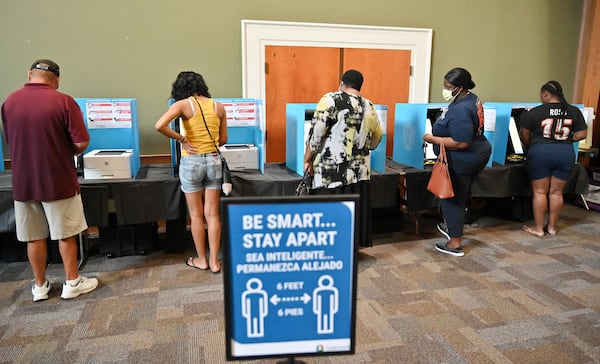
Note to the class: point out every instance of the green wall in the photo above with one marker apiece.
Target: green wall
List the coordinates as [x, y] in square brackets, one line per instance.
[135, 48]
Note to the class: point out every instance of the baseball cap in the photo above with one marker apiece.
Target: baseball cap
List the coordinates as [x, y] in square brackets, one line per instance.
[46, 65]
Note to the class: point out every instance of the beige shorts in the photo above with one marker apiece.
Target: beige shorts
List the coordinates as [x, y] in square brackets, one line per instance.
[60, 219]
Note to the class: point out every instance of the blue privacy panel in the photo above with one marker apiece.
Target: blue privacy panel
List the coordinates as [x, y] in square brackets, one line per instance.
[490, 117]
[259, 142]
[409, 127]
[2, 158]
[378, 154]
[576, 144]
[174, 146]
[112, 124]
[297, 125]
[498, 137]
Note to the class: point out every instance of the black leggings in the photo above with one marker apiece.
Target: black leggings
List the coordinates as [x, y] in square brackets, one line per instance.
[463, 174]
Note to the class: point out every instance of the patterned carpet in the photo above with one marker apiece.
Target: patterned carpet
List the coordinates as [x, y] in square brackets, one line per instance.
[513, 298]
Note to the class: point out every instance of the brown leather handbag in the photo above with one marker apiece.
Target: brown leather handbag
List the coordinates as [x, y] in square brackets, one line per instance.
[440, 183]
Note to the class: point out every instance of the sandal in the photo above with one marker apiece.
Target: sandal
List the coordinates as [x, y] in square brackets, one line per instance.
[190, 263]
[215, 271]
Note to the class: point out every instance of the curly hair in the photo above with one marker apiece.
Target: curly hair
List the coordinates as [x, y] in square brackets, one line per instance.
[189, 83]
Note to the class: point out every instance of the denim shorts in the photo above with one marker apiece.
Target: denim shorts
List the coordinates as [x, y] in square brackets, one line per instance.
[545, 160]
[200, 171]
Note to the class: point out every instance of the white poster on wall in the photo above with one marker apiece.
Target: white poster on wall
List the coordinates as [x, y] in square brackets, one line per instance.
[108, 114]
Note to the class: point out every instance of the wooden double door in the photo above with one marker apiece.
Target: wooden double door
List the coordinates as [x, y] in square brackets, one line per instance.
[304, 74]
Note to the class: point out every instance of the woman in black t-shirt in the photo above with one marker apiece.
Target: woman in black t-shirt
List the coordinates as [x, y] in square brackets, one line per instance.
[549, 131]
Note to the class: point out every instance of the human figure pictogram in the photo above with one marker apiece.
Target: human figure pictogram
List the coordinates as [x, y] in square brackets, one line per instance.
[255, 307]
[325, 304]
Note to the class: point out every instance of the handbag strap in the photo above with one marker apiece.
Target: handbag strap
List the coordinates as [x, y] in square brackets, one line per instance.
[208, 130]
[442, 156]
[305, 183]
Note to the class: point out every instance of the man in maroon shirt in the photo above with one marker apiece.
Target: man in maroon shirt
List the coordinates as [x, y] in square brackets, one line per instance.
[44, 129]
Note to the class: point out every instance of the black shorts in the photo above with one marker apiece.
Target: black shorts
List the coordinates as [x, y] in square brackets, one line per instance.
[545, 160]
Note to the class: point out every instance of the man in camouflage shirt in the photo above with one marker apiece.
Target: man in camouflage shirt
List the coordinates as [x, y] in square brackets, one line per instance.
[344, 129]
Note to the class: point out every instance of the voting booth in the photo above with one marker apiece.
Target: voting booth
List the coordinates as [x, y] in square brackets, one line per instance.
[245, 148]
[506, 142]
[505, 139]
[290, 269]
[502, 127]
[298, 122]
[113, 128]
[411, 122]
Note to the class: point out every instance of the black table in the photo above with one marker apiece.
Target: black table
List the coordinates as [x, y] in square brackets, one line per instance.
[278, 180]
[155, 194]
[152, 196]
[498, 181]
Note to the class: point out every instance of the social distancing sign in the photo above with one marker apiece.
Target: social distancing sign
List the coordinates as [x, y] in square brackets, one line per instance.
[290, 275]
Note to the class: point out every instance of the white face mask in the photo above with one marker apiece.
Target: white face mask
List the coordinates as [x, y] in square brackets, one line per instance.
[447, 94]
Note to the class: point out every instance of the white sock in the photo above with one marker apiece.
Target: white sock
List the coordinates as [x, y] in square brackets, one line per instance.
[73, 282]
[43, 285]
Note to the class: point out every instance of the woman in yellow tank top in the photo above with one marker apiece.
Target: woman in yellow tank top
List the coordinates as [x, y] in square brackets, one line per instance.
[204, 127]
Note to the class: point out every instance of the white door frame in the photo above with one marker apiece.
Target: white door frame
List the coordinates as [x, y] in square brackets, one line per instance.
[257, 34]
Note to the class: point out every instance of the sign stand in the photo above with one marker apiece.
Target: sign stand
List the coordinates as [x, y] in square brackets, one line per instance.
[289, 271]
[291, 360]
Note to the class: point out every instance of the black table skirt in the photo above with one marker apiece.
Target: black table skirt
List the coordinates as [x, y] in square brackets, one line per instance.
[498, 181]
[152, 196]
[155, 193]
[278, 180]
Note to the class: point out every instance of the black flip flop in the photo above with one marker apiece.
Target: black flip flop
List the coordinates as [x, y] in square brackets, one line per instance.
[190, 263]
[214, 271]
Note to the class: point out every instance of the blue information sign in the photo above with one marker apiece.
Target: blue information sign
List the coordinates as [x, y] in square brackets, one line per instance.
[290, 275]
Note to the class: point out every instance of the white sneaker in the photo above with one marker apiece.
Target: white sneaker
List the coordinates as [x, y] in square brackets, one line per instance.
[83, 285]
[41, 293]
